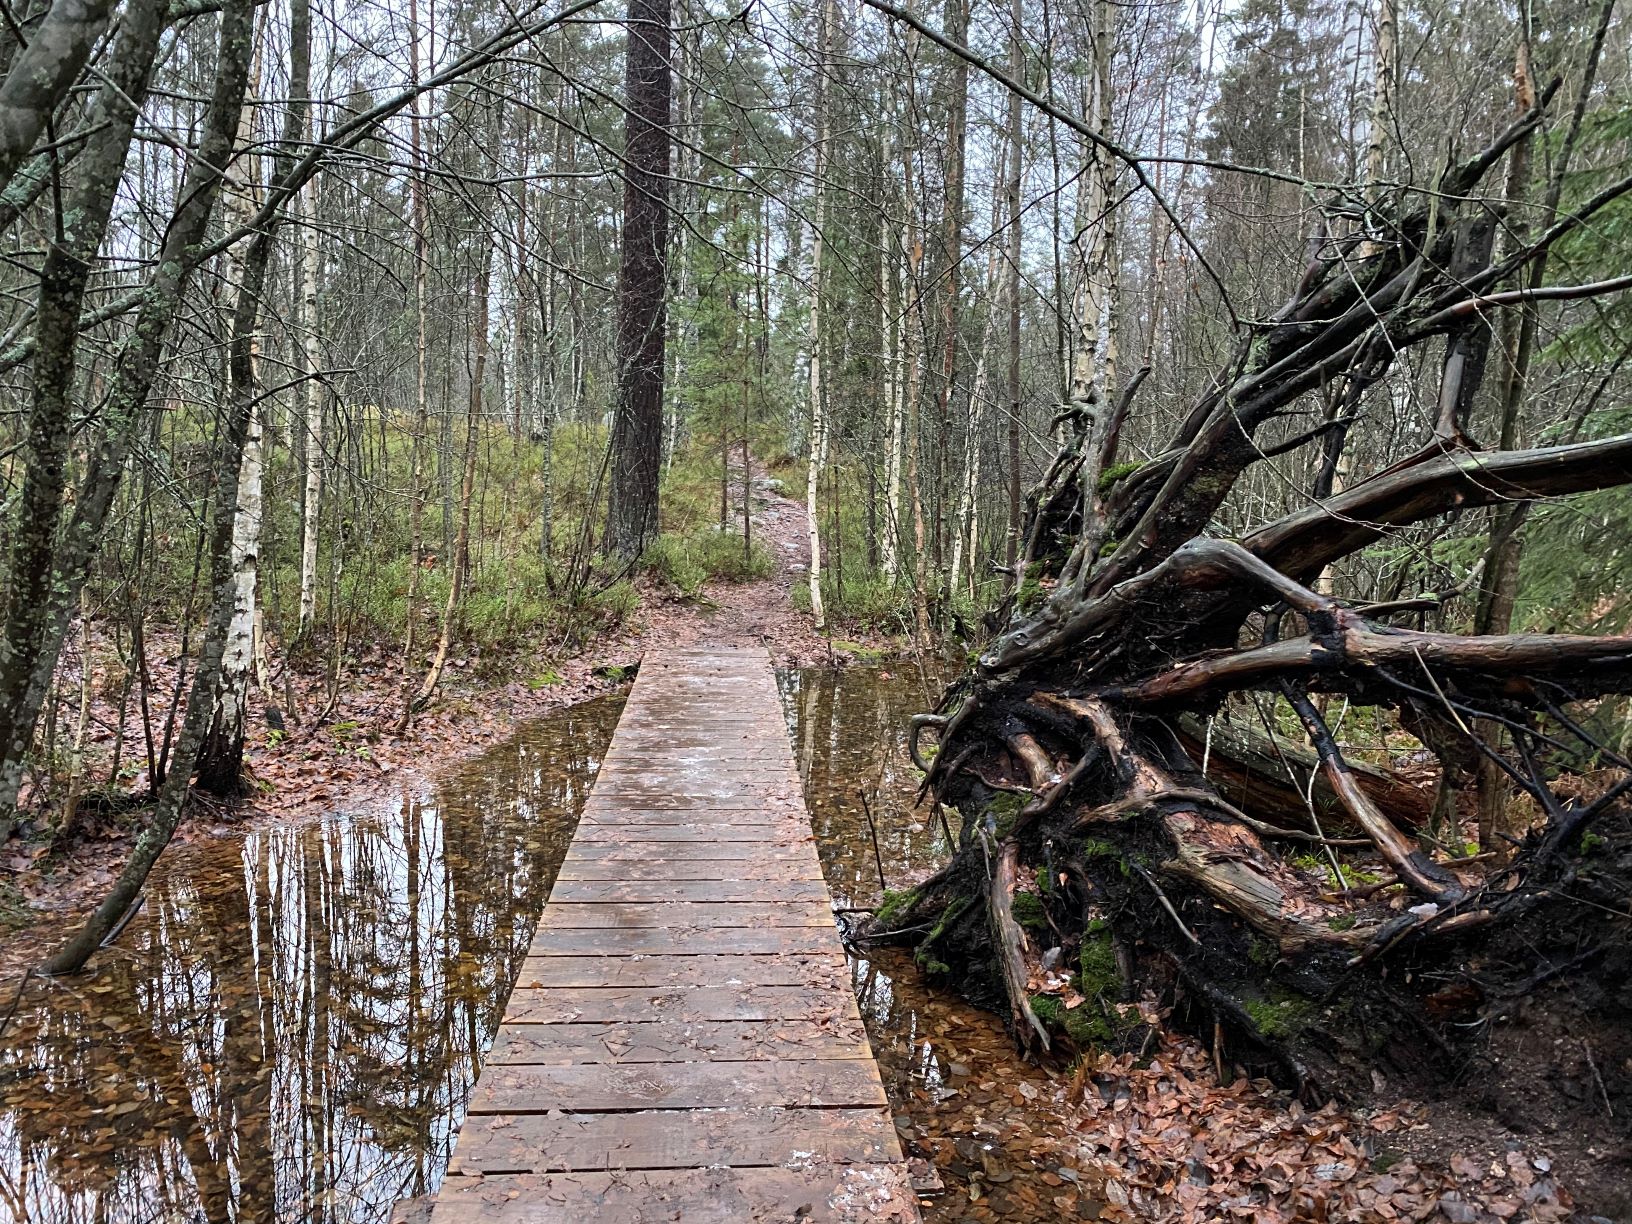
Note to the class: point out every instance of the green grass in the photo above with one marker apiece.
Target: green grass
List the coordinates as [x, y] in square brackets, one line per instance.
[687, 562]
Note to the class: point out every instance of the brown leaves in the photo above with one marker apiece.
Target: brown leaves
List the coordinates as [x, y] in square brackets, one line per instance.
[1172, 1145]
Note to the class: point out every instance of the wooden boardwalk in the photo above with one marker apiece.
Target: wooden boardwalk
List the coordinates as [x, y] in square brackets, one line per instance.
[682, 1043]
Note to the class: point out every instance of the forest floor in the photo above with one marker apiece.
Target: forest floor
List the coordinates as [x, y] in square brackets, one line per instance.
[1165, 1138]
[341, 761]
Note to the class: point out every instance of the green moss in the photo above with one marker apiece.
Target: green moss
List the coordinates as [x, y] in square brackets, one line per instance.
[864, 654]
[544, 679]
[1099, 975]
[1029, 911]
[1093, 847]
[948, 916]
[1004, 808]
[1342, 922]
[1280, 1014]
[895, 905]
[1030, 592]
[1591, 844]
[1085, 1024]
[1116, 472]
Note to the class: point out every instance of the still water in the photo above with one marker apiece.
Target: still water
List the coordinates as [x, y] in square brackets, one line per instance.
[289, 1029]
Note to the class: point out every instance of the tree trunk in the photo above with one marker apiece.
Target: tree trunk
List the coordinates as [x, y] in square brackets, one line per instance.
[308, 328]
[637, 430]
[49, 563]
[220, 763]
[42, 75]
[203, 179]
[421, 425]
[818, 410]
[1017, 70]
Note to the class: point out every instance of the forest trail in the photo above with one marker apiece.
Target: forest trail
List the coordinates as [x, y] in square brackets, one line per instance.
[682, 1042]
[759, 612]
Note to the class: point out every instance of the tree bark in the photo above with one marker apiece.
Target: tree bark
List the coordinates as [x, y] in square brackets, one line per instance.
[818, 239]
[44, 589]
[637, 428]
[204, 176]
[42, 75]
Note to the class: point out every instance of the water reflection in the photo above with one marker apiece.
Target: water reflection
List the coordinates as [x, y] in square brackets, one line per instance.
[987, 1121]
[290, 1028]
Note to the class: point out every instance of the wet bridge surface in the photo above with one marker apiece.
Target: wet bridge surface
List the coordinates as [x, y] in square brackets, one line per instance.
[682, 1043]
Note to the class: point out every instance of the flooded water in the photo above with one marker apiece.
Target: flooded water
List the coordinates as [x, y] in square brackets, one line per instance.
[289, 1029]
[963, 1100]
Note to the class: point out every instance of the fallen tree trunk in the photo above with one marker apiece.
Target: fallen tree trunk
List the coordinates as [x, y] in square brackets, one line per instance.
[1103, 829]
[1278, 779]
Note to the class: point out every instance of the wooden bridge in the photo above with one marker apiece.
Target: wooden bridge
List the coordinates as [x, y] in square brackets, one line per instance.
[682, 1043]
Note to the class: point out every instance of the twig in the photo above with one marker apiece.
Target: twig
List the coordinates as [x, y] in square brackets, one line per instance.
[872, 829]
[124, 920]
[1597, 1078]
[1162, 897]
[5, 1021]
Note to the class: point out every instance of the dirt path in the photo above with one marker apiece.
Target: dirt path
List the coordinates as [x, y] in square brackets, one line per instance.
[755, 613]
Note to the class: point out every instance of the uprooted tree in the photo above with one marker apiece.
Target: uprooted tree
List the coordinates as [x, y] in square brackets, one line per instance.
[1084, 749]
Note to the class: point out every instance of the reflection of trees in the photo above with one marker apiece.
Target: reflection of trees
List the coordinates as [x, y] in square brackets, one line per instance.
[850, 730]
[293, 1026]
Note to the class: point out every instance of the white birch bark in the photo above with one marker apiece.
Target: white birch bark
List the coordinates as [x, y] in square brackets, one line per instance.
[306, 328]
[818, 414]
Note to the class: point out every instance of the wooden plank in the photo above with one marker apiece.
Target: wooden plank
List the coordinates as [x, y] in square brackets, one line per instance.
[593, 915]
[679, 1041]
[805, 1084]
[624, 1004]
[775, 851]
[708, 869]
[690, 890]
[663, 1139]
[848, 1194]
[683, 1041]
[701, 813]
[624, 833]
[827, 970]
[677, 941]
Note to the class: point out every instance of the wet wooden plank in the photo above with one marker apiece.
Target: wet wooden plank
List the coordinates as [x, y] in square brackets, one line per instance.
[848, 1194]
[669, 833]
[623, 850]
[804, 1084]
[678, 941]
[701, 812]
[705, 869]
[683, 1042]
[651, 1139]
[590, 915]
[596, 1004]
[828, 970]
[679, 1041]
[690, 890]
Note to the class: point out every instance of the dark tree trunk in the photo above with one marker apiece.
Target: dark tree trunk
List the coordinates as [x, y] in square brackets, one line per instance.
[637, 428]
[31, 635]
